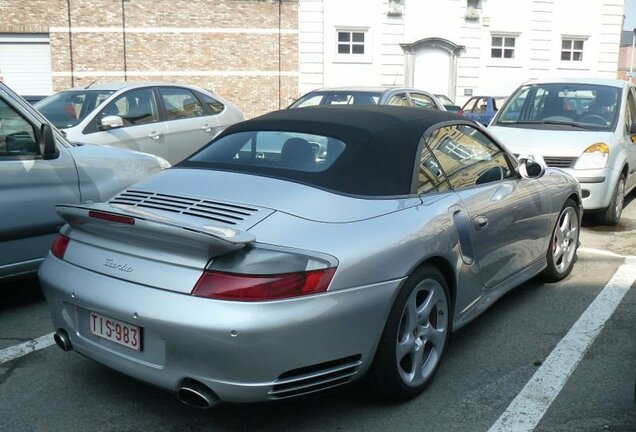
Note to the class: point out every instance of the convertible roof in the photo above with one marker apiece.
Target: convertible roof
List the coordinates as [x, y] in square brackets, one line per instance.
[381, 145]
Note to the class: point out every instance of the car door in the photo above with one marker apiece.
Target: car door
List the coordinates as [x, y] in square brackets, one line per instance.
[629, 140]
[190, 126]
[506, 216]
[142, 128]
[30, 187]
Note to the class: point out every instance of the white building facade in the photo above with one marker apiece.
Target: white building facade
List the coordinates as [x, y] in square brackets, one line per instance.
[456, 47]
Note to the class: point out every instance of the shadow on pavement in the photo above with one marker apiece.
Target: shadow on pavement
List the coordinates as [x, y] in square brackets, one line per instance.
[20, 292]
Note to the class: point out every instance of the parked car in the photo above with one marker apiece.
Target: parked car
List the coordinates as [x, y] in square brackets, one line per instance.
[398, 96]
[482, 108]
[326, 267]
[448, 103]
[40, 168]
[586, 127]
[164, 119]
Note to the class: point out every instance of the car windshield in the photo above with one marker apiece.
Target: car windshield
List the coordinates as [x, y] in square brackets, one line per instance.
[339, 97]
[582, 106]
[68, 108]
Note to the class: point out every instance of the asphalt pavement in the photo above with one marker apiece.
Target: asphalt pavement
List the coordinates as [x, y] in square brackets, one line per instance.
[486, 369]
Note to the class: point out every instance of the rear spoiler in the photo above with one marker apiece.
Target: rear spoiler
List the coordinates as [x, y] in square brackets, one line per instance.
[222, 239]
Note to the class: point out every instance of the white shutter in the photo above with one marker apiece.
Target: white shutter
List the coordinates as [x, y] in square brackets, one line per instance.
[25, 63]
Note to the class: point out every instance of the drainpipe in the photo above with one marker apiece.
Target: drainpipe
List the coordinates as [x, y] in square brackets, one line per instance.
[70, 42]
[280, 4]
[123, 29]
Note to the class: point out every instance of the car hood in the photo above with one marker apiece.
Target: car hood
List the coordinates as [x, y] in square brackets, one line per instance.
[105, 171]
[269, 193]
[541, 142]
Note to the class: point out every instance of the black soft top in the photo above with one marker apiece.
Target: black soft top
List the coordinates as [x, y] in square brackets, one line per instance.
[381, 145]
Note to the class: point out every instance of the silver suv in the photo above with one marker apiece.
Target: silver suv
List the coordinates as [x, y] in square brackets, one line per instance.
[40, 169]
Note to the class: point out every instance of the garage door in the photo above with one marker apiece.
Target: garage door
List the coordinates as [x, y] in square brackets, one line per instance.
[25, 63]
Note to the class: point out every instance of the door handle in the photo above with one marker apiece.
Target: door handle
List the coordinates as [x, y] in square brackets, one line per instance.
[207, 128]
[154, 135]
[480, 222]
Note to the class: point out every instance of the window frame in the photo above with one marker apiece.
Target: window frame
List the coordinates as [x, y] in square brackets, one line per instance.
[36, 136]
[350, 57]
[93, 125]
[503, 48]
[572, 50]
[164, 111]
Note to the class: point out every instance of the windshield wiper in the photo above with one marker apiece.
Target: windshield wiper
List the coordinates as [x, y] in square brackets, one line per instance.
[550, 122]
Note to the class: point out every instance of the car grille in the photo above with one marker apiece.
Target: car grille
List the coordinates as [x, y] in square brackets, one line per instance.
[231, 214]
[559, 161]
[315, 378]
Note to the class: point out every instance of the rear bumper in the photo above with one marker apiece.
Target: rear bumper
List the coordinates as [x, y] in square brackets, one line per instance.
[240, 350]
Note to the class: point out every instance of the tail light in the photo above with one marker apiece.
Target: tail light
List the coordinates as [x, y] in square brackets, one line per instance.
[460, 112]
[242, 287]
[111, 217]
[59, 246]
[262, 274]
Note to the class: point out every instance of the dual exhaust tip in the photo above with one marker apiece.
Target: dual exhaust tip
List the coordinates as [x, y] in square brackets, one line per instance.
[190, 392]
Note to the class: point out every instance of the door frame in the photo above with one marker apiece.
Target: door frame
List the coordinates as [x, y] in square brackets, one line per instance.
[433, 42]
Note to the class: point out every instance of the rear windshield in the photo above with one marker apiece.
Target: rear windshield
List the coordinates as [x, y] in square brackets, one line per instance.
[285, 151]
[579, 106]
[352, 168]
[337, 98]
[66, 109]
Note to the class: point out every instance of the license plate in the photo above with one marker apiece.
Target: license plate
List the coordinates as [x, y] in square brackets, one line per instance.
[116, 331]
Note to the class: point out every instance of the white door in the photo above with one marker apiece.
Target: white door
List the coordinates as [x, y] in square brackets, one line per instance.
[432, 70]
[25, 63]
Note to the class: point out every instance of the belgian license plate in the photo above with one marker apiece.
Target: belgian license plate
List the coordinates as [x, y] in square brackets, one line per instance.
[117, 331]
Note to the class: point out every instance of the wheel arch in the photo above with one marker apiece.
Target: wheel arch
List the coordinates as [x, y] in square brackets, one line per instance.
[444, 266]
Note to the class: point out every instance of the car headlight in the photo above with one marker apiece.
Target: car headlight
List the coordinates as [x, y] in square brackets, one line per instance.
[164, 164]
[594, 157]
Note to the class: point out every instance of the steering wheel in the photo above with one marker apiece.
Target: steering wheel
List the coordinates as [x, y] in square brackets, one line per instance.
[594, 119]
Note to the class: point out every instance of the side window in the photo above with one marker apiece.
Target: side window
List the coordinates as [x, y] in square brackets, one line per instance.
[630, 112]
[481, 106]
[399, 100]
[422, 101]
[135, 107]
[17, 135]
[468, 157]
[180, 103]
[430, 175]
[213, 105]
[470, 105]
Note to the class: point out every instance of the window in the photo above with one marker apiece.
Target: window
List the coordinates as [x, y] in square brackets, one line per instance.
[430, 176]
[630, 112]
[213, 105]
[68, 108]
[337, 98]
[351, 42]
[399, 100]
[572, 50]
[135, 107]
[468, 157]
[503, 47]
[17, 136]
[290, 151]
[180, 103]
[422, 101]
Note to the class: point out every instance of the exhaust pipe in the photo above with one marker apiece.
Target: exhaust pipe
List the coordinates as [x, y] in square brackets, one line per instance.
[62, 340]
[196, 394]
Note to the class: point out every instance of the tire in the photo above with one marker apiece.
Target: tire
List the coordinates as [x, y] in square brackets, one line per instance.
[564, 242]
[612, 214]
[415, 336]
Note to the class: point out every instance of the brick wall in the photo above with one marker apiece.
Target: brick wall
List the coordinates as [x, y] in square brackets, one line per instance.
[229, 46]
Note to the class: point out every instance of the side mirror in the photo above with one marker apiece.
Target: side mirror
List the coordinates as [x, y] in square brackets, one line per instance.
[632, 130]
[110, 122]
[46, 140]
[529, 168]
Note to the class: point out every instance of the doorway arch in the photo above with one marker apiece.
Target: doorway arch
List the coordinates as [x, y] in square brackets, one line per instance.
[431, 64]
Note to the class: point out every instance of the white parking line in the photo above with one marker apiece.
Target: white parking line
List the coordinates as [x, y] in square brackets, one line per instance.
[600, 252]
[14, 352]
[527, 409]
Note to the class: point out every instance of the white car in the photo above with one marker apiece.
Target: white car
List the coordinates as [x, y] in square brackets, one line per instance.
[40, 169]
[168, 120]
[587, 127]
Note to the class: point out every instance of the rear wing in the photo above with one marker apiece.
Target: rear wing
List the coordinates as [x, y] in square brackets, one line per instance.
[221, 239]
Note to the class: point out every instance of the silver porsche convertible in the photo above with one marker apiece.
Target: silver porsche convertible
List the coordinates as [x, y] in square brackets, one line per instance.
[305, 249]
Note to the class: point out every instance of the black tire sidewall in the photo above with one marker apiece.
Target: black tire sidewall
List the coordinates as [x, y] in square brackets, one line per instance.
[384, 371]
